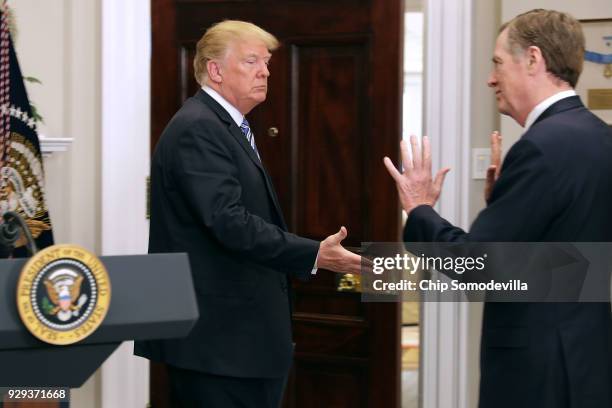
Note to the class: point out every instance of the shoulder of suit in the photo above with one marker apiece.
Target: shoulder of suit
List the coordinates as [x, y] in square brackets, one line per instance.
[569, 137]
[195, 109]
[196, 119]
[194, 114]
[563, 129]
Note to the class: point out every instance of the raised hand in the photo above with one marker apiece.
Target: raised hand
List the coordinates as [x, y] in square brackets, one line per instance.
[415, 186]
[334, 257]
[495, 166]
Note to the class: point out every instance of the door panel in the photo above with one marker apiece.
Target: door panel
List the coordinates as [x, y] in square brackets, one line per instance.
[332, 113]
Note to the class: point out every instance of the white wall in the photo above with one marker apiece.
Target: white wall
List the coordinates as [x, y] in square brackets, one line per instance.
[485, 117]
[58, 42]
[95, 94]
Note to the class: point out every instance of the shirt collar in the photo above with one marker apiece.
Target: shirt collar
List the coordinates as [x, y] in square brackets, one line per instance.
[234, 113]
[545, 104]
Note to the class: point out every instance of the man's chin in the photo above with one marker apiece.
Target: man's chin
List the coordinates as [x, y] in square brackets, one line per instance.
[503, 109]
[259, 97]
[255, 100]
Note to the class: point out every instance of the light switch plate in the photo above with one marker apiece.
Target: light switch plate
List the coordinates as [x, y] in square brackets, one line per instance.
[481, 159]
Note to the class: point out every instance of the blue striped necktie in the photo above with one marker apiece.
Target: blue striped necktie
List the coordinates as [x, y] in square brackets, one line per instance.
[246, 130]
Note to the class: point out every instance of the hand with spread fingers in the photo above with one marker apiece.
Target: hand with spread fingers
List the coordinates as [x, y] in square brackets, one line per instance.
[415, 185]
[495, 167]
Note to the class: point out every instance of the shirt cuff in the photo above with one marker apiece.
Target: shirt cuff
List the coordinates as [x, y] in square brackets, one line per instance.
[315, 268]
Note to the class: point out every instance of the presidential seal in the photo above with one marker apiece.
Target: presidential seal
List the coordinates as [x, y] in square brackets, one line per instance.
[63, 294]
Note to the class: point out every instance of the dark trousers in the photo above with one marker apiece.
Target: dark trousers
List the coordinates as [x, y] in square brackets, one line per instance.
[191, 389]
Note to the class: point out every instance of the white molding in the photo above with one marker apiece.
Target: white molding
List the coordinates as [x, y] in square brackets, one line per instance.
[49, 145]
[444, 329]
[126, 57]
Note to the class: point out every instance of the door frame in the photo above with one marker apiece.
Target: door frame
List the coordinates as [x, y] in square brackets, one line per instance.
[444, 366]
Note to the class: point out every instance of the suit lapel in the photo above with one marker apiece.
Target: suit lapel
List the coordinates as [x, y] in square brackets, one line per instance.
[235, 131]
[244, 143]
[232, 127]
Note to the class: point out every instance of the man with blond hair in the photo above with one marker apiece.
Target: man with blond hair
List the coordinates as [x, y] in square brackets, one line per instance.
[554, 185]
[212, 198]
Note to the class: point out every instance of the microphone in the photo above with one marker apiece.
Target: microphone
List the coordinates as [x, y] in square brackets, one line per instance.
[9, 232]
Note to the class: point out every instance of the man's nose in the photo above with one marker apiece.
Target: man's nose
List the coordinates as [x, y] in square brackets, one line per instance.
[491, 80]
[264, 71]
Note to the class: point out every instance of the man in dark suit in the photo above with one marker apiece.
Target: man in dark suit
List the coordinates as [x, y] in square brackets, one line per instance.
[554, 185]
[212, 198]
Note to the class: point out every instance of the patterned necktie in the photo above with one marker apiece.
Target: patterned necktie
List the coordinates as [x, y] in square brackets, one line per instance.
[246, 130]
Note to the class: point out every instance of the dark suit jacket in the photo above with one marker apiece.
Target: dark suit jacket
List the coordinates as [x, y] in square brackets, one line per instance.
[212, 198]
[555, 185]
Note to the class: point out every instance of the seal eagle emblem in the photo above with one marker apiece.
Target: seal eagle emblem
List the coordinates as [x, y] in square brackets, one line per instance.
[64, 290]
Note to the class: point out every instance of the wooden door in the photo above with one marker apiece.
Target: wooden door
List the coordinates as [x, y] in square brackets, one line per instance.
[332, 113]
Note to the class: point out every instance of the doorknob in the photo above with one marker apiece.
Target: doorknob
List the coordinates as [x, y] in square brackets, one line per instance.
[349, 283]
[273, 131]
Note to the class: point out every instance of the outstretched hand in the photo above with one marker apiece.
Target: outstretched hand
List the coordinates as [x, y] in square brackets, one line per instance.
[415, 185]
[334, 257]
[495, 167]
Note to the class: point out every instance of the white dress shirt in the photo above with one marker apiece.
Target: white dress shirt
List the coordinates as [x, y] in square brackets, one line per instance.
[545, 104]
[231, 109]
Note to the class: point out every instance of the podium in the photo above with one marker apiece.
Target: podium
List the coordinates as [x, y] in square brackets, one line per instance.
[152, 298]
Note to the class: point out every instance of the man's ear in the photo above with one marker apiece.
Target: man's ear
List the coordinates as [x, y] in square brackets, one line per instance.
[215, 73]
[535, 60]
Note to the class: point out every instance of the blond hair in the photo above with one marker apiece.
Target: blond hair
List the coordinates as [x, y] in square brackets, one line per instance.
[558, 36]
[218, 38]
